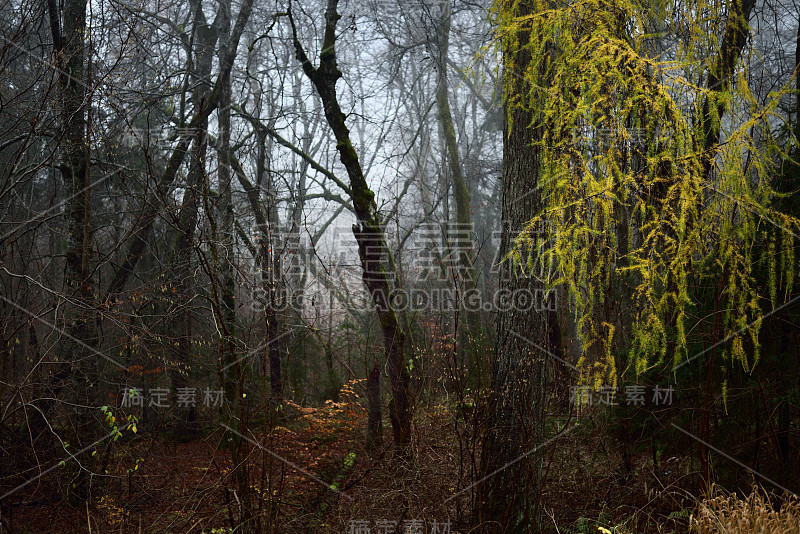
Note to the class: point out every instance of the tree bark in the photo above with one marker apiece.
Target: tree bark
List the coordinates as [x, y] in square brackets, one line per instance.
[379, 274]
[469, 329]
[374, 416]
[508, 498]
[225, 236]
[720, 78]
[80, 368]
[205, 37]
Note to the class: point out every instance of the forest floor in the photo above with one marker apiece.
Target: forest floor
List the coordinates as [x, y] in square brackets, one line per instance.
[190, 487]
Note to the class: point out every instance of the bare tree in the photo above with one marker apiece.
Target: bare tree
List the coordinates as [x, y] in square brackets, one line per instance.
[379, 271]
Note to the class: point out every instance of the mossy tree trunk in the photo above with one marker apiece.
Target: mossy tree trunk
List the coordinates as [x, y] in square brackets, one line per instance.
[379, 273]
[469, 326]
[718, 83]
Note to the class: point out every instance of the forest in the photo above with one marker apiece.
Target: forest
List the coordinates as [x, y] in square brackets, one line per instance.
[399, 266]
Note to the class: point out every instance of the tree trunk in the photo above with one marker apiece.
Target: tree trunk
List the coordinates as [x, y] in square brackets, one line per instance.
[206, 35]
[507, 499]
[379, 273]
[720, 77]
[469, 329]
[374, 416]
[224, 235]
[272, 277]
[139, 236]
[79, 370]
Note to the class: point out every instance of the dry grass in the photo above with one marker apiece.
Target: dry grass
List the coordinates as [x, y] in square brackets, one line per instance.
[755, 514]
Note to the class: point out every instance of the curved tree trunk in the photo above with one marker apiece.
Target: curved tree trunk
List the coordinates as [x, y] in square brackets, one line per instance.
[379, 273]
